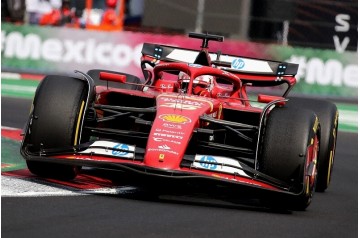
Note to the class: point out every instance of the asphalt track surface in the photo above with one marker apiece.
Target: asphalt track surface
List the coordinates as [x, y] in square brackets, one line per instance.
[331, 214]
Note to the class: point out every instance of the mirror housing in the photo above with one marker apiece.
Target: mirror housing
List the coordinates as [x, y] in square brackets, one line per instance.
[268, 98]
[119, 78]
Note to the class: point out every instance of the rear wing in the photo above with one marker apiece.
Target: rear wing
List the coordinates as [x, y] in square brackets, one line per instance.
[231, 63]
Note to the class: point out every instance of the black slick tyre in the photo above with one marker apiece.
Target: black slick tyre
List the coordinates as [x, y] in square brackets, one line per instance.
[58, 107]
[289, 135]
[328, 116]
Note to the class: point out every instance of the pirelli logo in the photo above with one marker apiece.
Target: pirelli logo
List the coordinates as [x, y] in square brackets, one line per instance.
[316, 124]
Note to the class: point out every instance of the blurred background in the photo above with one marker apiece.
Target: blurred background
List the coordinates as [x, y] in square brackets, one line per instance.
[59, 36]
[287, 22]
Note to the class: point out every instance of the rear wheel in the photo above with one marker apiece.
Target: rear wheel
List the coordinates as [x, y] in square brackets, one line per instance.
[328, 116]
[289, 154]
[58, 108]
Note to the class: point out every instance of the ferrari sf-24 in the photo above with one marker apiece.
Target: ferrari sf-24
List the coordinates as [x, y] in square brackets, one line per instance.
[190, 118]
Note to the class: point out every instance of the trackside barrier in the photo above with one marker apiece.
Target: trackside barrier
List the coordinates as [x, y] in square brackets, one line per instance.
[43, 50]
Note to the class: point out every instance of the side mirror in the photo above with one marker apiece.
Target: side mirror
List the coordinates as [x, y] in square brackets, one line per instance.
[119, 78]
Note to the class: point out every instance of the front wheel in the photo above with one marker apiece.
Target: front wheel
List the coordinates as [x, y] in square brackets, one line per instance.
[289, 153]
[55, 122]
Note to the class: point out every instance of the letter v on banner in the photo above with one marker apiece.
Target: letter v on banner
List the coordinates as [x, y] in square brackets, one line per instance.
[340, 47]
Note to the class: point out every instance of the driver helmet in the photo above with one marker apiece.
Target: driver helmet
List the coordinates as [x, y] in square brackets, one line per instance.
[202, 82]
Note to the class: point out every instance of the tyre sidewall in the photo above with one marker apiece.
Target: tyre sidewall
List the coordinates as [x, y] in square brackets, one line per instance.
[328, 117]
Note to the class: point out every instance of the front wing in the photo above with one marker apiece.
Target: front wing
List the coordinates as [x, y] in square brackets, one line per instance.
[235, 178]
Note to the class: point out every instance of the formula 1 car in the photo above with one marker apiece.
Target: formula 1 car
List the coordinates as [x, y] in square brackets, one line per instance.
[190, 119]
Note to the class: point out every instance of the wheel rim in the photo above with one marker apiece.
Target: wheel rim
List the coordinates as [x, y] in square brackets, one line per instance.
[312, 165]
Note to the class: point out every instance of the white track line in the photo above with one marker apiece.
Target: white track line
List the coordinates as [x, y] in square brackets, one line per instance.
[16, 187]
[32, 187]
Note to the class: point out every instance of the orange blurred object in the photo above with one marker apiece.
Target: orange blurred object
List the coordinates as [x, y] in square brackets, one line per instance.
[112, 18]
[111, 3]
[52, 18]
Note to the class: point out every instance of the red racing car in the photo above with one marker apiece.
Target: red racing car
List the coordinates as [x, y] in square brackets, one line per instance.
[191, 119]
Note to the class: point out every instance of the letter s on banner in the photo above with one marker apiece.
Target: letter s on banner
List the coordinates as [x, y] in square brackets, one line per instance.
[342, 20]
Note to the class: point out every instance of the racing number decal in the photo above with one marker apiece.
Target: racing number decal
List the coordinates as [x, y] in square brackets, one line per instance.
[196, 102]
[180, 106]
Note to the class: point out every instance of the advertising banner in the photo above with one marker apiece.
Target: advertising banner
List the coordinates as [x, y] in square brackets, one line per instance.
[44, 50]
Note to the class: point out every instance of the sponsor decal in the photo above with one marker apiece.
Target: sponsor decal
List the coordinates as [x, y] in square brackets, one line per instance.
[237, 63]
[166, 86]
[243, 64]
[164, 147]
[168, 131]
[168, 136]
[107, 149]
[174, 118]
[162, 150]
[122, 147]
[172, 126]
[219, 164]
[207, 162]
[158, 139]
